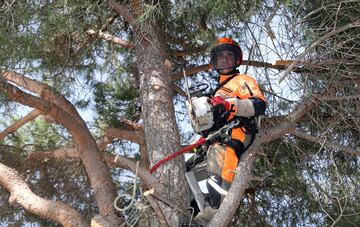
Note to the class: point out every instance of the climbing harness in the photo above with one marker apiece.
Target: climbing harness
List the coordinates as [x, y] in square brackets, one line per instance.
[212, 136]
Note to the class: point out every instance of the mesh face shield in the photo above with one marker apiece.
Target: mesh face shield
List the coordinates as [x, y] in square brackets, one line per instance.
[215, 53]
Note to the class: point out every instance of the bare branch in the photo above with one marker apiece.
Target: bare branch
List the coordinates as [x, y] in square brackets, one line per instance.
[269, 19]
[71, 152]
[14, 127]
[154, 204]
[340, 98]
[190, 71]
[316, 43]
[110, 38]
[100, 221]
[130, 125]
[193, 70]
[327, 144]
[135, 136]
[21, 193]
[60, 154]
[130, 164]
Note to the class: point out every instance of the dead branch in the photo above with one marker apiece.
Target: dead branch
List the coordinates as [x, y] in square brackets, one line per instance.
[21, 193]
[193, 70]
[269, 19]
[315, 44]
[133, 136]
[130, 164]
[100, 221]
[341, 98]
[130, 125]
[327, 144]
[110, 38]
[14, 127]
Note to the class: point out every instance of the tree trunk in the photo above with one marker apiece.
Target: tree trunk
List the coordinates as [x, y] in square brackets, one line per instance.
[161, 132]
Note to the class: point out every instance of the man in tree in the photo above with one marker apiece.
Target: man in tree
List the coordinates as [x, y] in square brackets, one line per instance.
[238, 96]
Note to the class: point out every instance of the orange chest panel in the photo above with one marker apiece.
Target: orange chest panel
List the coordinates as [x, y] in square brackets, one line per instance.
[242, 86]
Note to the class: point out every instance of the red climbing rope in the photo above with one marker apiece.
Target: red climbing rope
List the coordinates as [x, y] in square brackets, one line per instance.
[177, 153]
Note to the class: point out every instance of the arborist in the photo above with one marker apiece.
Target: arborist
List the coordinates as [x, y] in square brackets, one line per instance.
[238, 96]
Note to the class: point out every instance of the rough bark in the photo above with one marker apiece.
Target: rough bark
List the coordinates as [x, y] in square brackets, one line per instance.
[21, 193]
[161, 132]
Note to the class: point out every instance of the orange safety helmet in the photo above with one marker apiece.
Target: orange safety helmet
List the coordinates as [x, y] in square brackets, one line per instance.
[226, 44]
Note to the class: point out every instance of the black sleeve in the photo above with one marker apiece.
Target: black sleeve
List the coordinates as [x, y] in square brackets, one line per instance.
[259, 106]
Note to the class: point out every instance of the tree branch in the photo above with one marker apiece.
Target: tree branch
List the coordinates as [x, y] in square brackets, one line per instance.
[231, 202]
[14, 127]
[91, 157]
[100, 221]
[122, 11]
[154, 204]
[332, 145]
[21, 193]
[43, 90]
[316, 43]
[110, 38]
[136, 6]
[113, 160]
[135, 136]
[193, 70]
[71, 152]
[269, 19]
[341, 98]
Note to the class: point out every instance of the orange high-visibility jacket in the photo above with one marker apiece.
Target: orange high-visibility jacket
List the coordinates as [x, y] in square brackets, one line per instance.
[243, 87]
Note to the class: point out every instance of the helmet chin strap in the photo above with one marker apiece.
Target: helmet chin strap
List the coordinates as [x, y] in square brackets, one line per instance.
[233, 71]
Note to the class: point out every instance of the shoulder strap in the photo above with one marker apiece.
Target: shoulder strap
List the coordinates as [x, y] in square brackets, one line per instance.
[223, 83]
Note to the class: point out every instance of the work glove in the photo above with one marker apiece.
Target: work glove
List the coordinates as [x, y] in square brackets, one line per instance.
[218, 100]
[221, 110]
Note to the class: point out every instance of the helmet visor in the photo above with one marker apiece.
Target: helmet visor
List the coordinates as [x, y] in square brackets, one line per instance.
[225, 56]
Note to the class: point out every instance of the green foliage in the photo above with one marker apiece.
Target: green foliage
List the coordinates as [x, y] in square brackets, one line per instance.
[115, 101]
[47, 40]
